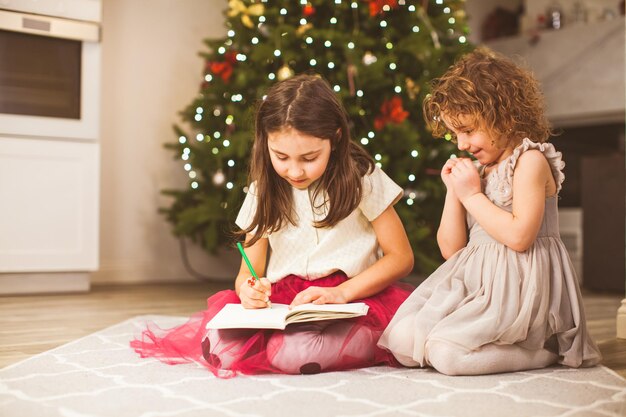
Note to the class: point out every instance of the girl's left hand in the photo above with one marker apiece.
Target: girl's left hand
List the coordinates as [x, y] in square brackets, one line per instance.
[465, 179]
[319, 295]
[446, 171]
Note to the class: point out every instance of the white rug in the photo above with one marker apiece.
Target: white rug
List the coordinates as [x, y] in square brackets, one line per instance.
[100, 376]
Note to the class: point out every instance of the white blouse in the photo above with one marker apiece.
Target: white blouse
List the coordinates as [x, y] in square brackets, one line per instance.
[304, 250]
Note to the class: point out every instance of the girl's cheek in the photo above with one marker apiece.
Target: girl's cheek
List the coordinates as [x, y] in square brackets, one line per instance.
[277, 165]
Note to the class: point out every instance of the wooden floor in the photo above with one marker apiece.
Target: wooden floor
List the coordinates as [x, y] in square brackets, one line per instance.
[36, 323]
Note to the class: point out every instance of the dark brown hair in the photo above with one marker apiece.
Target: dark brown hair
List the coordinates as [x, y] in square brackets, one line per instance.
[502, 98]
[305, 103]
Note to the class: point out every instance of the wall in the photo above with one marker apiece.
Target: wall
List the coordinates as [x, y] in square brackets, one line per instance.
[151, 71]
[568, 62]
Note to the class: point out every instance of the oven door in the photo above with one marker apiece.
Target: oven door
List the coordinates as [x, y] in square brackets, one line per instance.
[49, 76]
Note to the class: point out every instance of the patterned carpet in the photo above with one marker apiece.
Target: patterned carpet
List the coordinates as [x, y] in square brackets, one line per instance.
[100, 376]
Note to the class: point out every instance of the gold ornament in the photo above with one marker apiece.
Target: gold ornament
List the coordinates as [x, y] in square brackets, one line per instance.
[238, 7]
[460, 14]
[412, 89]
[303, 28]
[284, 72]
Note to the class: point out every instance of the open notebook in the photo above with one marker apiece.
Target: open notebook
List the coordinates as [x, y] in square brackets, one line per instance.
[235, 316]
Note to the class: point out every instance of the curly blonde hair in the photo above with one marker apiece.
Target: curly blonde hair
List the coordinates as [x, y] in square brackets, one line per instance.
[499, 96]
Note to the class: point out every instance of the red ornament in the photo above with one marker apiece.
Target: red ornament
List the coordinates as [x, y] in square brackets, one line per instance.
[251, 281]
[376, 6]
[308, 10]
[391, 111]
[224, 69]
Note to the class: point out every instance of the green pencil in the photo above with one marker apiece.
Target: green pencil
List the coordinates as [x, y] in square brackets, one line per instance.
[245, 258]
[256, 277]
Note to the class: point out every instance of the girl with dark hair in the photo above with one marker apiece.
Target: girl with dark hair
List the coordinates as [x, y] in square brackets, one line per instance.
[319, 227]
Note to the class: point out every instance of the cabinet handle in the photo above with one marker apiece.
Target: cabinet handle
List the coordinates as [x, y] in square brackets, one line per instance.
[34, 24]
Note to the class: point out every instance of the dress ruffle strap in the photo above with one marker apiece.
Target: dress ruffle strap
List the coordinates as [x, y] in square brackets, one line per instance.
[555, 159]
[499, 188]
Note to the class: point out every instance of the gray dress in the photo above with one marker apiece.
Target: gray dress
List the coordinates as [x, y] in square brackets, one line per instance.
[489, 293]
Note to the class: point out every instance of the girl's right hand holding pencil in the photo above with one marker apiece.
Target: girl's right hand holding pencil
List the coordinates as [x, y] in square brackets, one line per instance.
[254, 292]
[256, 295]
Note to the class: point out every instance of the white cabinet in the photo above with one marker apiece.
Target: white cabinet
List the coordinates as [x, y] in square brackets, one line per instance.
[49, 144]
[48, 205]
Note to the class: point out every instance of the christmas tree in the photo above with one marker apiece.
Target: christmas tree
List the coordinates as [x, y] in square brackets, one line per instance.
[378, 55]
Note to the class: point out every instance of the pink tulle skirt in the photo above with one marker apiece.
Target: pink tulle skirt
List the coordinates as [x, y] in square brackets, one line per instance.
[252, 351]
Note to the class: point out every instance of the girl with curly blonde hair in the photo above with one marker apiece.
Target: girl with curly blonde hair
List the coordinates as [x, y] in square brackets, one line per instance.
[507, 298]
